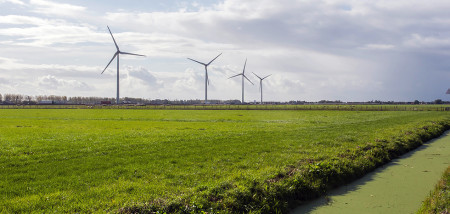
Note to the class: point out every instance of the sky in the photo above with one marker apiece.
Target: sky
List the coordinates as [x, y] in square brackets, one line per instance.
[348, 50]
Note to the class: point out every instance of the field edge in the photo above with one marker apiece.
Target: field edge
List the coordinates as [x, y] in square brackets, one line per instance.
[439, 200]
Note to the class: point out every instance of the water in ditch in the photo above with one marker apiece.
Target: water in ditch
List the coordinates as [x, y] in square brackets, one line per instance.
[397, 187]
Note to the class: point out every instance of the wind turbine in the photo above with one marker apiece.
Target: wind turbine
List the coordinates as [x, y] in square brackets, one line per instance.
[118, 52]
[206, 75]
[243, 76]
[260, 85]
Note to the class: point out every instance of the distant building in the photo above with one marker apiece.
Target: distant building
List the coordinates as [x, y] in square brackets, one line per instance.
[46, 102]
[128, 102]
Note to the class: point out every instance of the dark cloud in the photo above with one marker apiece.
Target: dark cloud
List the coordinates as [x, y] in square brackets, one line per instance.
[142, 74]
[53, 83]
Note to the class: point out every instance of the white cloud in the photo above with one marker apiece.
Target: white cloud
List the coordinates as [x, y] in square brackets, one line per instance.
[23, 20]
[16, 64]
[189, 81]
[4, 80]
[378, 47]
[18, 2]
[49, 33]
[49, 8]
[419, 41]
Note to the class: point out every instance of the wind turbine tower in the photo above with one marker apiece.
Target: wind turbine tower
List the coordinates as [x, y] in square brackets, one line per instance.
[243, 76]
[260, 85]
[118, 52]
[206, 75]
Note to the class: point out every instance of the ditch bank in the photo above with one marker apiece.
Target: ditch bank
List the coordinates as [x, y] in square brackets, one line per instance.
[306, 180]
[397, 187]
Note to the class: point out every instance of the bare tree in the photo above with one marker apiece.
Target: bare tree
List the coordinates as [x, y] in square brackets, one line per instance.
[29, 98]
[39, 98]
[8, 97]
[18, 98]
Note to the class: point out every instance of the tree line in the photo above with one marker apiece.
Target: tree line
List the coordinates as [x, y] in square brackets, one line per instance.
[19, 99]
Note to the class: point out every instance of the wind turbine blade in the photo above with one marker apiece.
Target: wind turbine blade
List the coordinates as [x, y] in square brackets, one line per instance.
[214, 59]
[207, 78]
[247, 79]
[267, 76]
[243, 71]
[130, 53]
[256, 75]
[260, 83]
[197, 61]
[110, 62]
[234, 76]
[115, 43]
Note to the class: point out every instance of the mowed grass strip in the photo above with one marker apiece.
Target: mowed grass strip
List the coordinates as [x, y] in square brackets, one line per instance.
[110, 160]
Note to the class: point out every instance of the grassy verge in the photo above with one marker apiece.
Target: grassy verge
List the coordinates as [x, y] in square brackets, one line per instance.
[106, 160]
[439, 199]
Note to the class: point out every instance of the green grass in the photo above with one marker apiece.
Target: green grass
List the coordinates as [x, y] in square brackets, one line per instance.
[439, 199]
[106, 160]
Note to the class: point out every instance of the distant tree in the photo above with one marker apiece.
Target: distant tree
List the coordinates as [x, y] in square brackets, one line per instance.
[76, 100]
[438, 101]
[18, 98]
[13, 98]
[0, 97]
[416, 102]
[8, 97]
[39, 98]
[53, 98]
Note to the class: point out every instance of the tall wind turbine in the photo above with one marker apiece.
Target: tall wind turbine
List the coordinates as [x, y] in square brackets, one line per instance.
[243, 76]
[260, 85]
[206, 75]
[118, 52]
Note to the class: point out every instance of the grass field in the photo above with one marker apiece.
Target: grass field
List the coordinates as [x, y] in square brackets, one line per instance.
[97, 160]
